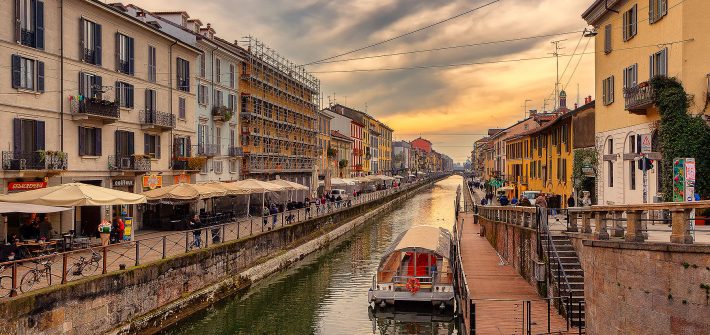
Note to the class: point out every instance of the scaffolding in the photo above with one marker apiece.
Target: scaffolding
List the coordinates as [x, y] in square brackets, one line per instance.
[279, 102]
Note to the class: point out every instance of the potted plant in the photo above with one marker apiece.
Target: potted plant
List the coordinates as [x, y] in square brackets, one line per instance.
[343, 163]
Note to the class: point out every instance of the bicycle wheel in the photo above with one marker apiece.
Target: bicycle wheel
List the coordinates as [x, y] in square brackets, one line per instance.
[5, 286]
[90, 268]
[28, 280]
[74, 272]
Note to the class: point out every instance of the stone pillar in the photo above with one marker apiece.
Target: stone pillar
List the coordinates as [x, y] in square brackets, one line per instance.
[618, 226]
[600, 232]
[586, 222]
[572, 224]
[681, 225]
[634, 229]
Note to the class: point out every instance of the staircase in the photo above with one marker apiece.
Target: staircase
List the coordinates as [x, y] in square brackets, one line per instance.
[565, 274]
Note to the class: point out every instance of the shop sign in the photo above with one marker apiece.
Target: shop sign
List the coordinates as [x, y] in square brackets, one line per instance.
[123, 183]
[182, 178]
[127, 228]
[25, 185]
[152, 182]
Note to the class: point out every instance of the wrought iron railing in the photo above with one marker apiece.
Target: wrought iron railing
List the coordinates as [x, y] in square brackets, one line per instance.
[38, 160]
[156, 118]
[208, 149]
[27, 37]
[639, 97]
[180, 164]
[98, 107]
[236, 152]
[123, 66]
[129, 163]
[89, 55]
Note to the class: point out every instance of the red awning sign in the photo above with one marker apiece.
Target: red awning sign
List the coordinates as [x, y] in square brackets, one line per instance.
[25, 185]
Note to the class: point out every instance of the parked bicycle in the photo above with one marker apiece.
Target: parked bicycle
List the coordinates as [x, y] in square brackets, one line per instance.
[84, 267]
[41, 271]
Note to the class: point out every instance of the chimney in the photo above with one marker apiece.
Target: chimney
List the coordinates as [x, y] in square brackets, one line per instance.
[575, 104]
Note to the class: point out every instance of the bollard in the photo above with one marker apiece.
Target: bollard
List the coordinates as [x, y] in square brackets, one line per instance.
[104, 260]
[138, 255]
[164, 246]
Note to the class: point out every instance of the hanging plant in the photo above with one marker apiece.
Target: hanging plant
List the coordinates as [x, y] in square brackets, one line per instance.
[343, 163]
[332, 152]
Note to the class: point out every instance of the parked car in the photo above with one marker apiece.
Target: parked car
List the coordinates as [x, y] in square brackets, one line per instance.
[531, 195]
[340, 193]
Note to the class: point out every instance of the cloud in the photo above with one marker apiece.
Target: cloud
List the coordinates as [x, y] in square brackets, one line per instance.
[462, 100]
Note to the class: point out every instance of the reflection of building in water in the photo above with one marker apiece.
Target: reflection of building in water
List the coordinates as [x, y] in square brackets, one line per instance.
[411, 320]
[360, 252]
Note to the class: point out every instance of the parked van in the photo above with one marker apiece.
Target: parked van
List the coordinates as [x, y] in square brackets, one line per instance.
[531, 195]
[340, 193]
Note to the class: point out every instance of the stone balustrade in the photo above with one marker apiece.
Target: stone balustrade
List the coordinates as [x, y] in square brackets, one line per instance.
[516, 215]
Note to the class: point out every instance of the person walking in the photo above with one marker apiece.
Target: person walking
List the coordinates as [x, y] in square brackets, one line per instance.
[570, 201]
[265, 216]
[195, 223]
[274, 212]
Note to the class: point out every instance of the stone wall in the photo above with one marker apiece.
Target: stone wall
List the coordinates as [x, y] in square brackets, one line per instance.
[147, 297]
[515, 244]
[646, 288]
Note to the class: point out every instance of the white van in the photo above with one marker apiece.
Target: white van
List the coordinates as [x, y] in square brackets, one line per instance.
[340, 193]
[531, 195]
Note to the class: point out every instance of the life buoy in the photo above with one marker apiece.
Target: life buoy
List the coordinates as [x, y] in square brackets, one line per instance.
[413, 285]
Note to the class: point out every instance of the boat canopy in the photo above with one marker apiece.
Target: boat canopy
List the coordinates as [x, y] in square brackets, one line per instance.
[421, 238]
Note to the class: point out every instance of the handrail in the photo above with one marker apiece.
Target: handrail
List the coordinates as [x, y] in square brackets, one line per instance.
[560, 269]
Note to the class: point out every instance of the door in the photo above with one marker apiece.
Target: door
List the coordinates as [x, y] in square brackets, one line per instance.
[90, 219]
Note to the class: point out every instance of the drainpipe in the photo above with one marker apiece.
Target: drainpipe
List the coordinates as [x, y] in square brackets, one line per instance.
[212, 77]
[170, 88]
[61, 98]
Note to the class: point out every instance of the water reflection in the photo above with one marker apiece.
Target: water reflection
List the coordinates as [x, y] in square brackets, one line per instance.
[327, 293]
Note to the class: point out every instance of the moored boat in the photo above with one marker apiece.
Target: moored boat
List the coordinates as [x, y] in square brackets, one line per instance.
[415, 268]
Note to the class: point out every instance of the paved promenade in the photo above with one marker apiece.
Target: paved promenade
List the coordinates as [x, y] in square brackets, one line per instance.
[499, 292]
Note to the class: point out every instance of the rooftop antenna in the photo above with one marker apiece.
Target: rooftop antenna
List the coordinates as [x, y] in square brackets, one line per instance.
[557, 78]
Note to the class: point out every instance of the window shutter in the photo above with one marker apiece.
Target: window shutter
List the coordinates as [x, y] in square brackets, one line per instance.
[82, 43]
[117, 52]
[611, 90]
[131, 142]
[98, 86]
[18, 30]
[157, 146]
[650, 68]
[176, 147]
[39, 25]
[131, 57]
[82, 138]
[117, 144]
[118, 91]
[40, 76]
[187, 76]
[97, 141]
[16, 135]
[97, 44]
[16, 71]
[664, 61]
[129, 92]
[146, 144]
[188, 147]
[607, 38]
[39, 134]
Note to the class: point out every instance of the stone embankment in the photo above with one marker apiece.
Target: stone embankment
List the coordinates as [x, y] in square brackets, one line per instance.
[149, 297]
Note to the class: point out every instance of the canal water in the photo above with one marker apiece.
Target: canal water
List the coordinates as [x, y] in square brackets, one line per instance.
[327, 292]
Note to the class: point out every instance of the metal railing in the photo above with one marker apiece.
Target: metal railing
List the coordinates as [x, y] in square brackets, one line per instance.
[89, 56]
[561, 281]
[37, 160]
[511, 316]
[236, 151]
[129, 163]
[208, 149]
[27, 37]
[54, 268]
[639, 97]
[156, 118]
[98, 107]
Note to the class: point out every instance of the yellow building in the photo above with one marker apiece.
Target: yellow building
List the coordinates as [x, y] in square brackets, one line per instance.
[385, 143]
[634, 44]
[324, 143]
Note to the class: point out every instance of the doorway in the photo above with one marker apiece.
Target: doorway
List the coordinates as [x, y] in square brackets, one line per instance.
[89, 217]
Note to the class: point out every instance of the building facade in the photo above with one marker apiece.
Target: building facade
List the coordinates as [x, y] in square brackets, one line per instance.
[401, 158]
[342, 144]
[325, 151]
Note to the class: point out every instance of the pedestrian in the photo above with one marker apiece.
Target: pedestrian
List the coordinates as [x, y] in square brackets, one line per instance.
[570, 201]
[265, 215]
[45, 227]
[514, 201]
[105, 232]
[540, 201]
[524, 201]
[503, 200]
[586, 199]
[273, 211]
[307, 203]
[195, 223]
[484, 201]
[114, 228]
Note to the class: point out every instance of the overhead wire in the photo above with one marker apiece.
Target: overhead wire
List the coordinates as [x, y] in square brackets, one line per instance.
[407, 33]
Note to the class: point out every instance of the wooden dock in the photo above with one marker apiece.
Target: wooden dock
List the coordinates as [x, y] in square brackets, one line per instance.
[504, 302]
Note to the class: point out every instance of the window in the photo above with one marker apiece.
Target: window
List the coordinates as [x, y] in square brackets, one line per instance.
[610, 164]
[203, 66]
[659, 63]
[218, 70]
[152, 64]
[182, 147]
[124, 54]
[28, 135]
[124, 143]
[90, 85]
[150, 100]
[232, 138]
[218, 98]
[90, 43]
[607, 39]
[202, 135]
[218, 139]
[183, 75]
[630, 23]
[29, 23]
[217, 167]
[27, 74]
[231, 102]
[202, 96]
[89, 141]
[231, 75]
[657, 9]
[181, 108]
[152, 145]
[124, 94]
[631, 76]
[608, 90]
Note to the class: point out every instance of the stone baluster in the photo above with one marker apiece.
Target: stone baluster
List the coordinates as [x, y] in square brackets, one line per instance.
[600, 232]
[680, 222]
[618, 223]
[533, 219]
[572, 224]
[634, 229]
[586, 222]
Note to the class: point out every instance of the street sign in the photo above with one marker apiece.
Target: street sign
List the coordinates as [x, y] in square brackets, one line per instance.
[646, 143]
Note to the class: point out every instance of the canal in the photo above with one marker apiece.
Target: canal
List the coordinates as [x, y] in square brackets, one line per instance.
[327, 292]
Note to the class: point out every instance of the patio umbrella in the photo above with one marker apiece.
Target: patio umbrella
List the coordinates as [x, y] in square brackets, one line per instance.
[290, 185]
[7, 207]
[75, 194]
[230, 188]
[184, 191]
[258, 186]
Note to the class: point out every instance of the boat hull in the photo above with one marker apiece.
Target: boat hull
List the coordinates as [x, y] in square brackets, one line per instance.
[392, 297]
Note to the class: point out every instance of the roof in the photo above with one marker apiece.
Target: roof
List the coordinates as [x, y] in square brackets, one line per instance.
[426, 238]
[597, 10]
[339, 135]
[557, 119]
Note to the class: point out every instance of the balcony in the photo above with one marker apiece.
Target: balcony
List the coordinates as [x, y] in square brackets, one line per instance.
[27, 37]
[151, 119]
[188, 163]
[208, 150]
[38, 160]
[639, 98]
[89, 56]
[93, 108]
[221, 113]
[129, 163]
[236, 152]
[123, 66]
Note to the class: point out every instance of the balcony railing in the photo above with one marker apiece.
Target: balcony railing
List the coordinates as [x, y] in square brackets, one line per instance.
[179, 164]
[129, 163]
[123, 66]
[639, 98]
[27, 37]
[109, 111]
[157, 119]
[89, 56]
[38, 160]
[236, 152]
[208, 149]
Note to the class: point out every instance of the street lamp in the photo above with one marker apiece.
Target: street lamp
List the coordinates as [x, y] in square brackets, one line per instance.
[590, 32]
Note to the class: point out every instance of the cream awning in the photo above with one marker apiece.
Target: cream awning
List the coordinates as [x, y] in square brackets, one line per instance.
[184, 191]
[230, 188]
[75, 194]
[289, 184]
[9, 207]
[421, 238]
[258, 186]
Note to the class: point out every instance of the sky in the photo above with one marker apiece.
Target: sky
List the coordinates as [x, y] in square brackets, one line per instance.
[452, 106]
